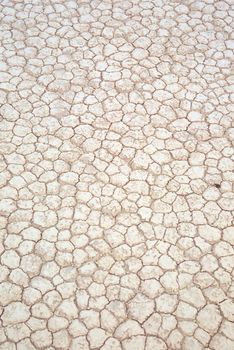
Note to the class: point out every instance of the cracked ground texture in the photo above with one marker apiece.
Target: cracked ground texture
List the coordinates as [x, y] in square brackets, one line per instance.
[116, 185]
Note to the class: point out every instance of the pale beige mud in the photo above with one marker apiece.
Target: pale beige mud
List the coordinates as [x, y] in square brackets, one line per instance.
[116, 184]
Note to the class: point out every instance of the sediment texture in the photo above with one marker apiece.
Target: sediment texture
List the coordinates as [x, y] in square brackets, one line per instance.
[116, 175]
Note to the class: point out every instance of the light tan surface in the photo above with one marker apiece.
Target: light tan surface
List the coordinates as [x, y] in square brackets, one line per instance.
[116, 195]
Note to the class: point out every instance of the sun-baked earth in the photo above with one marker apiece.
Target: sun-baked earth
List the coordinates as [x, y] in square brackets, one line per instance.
[116, 186]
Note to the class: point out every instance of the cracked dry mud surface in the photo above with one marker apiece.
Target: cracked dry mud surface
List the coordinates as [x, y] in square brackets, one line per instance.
[116, 175]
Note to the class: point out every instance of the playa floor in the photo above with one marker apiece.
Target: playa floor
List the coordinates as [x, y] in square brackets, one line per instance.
[116, 175]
